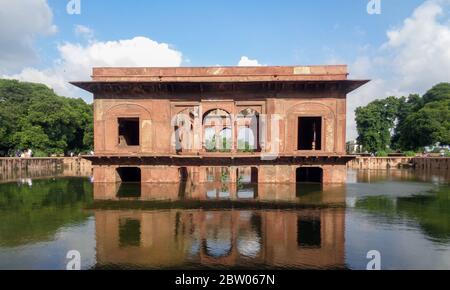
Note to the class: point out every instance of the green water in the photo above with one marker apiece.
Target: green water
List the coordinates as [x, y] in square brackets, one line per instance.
[405, 215]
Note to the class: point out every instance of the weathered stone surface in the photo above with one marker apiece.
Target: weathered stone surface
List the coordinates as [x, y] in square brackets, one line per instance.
[157, 96]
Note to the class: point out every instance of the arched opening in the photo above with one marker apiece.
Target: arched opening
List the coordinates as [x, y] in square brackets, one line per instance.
[184, 128]
[217, 241]
[129, 174]
[225, 139]
[246, 140]
[248, 130]
[309, 174]
[217, 132]
[249, 240]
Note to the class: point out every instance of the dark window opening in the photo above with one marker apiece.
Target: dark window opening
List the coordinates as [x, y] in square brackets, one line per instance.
[254, 175]
[129, 232]
[129, 131]
[309, 174]
[183, 174]
[309, 232]
[129, 174]
[309, 133]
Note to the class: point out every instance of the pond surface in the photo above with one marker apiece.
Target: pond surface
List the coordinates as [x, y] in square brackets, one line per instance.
[403, 214]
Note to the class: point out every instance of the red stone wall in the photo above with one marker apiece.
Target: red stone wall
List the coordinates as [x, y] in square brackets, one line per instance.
[156, 117]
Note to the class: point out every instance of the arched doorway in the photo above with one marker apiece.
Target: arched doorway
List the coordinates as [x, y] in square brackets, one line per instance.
[184, 125]
[217, 131]
[247, 123]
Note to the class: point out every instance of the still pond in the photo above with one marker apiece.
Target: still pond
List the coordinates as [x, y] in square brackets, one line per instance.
[403, 214]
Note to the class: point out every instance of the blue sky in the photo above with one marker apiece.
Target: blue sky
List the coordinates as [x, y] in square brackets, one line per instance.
[220, 32]
[403, 50]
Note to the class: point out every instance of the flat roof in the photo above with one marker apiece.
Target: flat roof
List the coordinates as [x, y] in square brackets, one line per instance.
[107, 77]
[220, 73]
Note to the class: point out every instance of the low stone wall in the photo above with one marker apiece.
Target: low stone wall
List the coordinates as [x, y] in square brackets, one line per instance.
[11, 168]
[433, 163]
[379, 162]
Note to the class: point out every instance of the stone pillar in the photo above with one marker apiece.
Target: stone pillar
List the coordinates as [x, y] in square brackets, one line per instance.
[334, 174]
[105, 174]
[161, 174]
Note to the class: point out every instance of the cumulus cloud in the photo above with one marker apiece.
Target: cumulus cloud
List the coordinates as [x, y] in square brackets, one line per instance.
[421, 47]
[75, 61]
[245, 61]
[21, 21]
[415, 56]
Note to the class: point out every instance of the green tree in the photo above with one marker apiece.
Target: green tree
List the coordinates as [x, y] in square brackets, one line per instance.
[406, 107]
[33, 116]
[426, 120]
[431, 124]
[375, 122]
[437, 93]
[406, 123]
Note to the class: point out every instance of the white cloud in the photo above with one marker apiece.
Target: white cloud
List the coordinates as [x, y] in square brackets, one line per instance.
[414, 57]
[421, 47]
[84, 31]
[245, 61]
[75, 61]
[21, 21]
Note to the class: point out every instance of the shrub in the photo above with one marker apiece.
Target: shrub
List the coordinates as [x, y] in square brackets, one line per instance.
[409, 153]
[40, 153]
[381, 154]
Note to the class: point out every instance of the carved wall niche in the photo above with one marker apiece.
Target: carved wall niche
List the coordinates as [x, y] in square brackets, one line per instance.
[110, 131]
[310, 109]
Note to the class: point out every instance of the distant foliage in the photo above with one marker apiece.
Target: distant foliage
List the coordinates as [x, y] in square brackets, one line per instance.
[406, 124]
[375, 123]
[409, 153]
[381, 154]
[33, 116]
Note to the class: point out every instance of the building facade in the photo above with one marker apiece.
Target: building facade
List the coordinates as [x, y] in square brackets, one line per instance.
[279, 124]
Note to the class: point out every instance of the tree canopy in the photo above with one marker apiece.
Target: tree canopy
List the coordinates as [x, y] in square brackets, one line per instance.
[406, 123]
[33, 116]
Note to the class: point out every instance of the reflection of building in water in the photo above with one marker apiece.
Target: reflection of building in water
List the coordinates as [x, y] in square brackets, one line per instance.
[216, 191]
[234, 238]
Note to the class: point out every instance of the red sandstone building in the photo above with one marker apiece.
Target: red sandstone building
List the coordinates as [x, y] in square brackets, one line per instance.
[274, 124]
